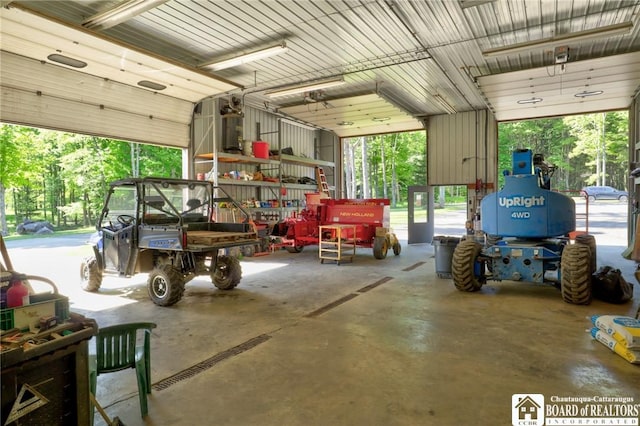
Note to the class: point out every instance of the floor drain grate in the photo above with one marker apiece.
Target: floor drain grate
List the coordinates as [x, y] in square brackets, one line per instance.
[414, 266]
[374, 285]
[331, 305]
[208, 363]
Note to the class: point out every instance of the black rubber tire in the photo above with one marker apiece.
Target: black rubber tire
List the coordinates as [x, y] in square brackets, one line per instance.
[248, 251]
[380, 247]
[590, 241]
[165, 285]
[463, 266]
[397, 248]
[294, 249]
[575, 269]
[227, 274]
[90, 274]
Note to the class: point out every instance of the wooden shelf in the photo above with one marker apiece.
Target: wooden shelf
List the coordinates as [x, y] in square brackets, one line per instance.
[302, 161]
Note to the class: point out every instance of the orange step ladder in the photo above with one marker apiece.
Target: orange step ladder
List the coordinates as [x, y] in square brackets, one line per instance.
[321, 179]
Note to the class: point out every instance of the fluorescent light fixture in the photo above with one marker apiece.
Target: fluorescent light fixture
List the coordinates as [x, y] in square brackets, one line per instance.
[381, 119]
[444, 104]
[248, 57]
[120, 13]
[587, 93]
[75, 63]
[473, 3]
[601, 32]
[532, 100]
[151, 85]
[306, 87]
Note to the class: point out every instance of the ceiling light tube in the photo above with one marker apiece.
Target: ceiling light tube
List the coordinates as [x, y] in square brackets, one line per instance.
[119, 14]
[532, 100]
[324, 84]
[248, 57]
[601, 32]
[587, 93]
[444, 104]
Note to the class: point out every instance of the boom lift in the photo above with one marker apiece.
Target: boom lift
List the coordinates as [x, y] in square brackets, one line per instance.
[529, 236]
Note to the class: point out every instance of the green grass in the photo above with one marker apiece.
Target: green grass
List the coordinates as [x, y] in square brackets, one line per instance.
[83, 230]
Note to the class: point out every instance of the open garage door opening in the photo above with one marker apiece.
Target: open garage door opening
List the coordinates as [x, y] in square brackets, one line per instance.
[61, 178]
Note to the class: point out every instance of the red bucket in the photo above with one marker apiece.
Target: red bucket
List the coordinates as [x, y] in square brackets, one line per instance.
[260, 149]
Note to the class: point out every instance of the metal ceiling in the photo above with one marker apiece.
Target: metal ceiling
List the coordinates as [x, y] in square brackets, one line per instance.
[419, 58]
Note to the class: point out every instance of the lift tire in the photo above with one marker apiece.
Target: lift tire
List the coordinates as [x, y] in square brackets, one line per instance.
[397, 248]
[90, 274]
[575, 270]
[165, 285]
[590, 241]
[380, 247]
[294, 249]
[227, 274]
[463, 266]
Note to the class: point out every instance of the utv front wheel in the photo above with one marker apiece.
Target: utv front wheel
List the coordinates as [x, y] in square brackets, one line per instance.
[165, 285]
[90, 274]
[227, 274]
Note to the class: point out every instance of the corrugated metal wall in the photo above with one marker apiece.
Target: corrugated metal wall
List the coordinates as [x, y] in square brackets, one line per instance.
[49, 96]
[462, 148]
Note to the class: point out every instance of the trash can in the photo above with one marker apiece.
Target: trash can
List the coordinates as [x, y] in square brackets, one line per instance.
[444, 247]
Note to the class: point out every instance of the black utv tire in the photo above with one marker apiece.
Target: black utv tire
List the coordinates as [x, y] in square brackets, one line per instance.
[90, 274]
[227, 274]
[575, 269]
[463, 266]
[165, 285]
[380, 247]
[294, 249]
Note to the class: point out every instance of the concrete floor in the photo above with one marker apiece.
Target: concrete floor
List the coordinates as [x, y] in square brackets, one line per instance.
[408, 350]
[373, 342]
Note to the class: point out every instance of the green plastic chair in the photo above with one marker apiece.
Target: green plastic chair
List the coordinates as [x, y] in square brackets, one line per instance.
[117, 349]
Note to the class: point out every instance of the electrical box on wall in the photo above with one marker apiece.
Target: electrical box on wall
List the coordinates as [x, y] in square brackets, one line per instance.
[561, 54]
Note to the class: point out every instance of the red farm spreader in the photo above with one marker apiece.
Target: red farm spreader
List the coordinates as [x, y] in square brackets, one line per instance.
[369, 217]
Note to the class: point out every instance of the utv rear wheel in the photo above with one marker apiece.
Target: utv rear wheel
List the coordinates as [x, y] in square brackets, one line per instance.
[463, 266]
[380, 247]
[165, 285]
[575, 268]
[90, 274]
[227, 273]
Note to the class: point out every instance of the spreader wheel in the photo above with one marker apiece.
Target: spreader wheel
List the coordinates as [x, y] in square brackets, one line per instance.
[397, 248]
[380, 247]
[466, 276]
[227, 274]
[294, 249]
[575, 269]
[90, 274]
[165, 285]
